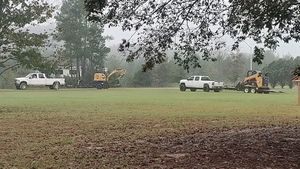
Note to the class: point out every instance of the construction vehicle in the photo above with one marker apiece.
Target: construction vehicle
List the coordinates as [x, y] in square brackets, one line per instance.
[255, 82]
[105, 80]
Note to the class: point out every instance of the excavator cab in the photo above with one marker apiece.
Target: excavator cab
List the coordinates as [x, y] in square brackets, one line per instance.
[99, 77]
[251, 72]
[104, 81]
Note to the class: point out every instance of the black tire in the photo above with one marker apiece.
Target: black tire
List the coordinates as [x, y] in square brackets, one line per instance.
[99, 86]
[106, 86]
[193, 90]
[23, 86]
[56, 85]
[252, 90]
[206, 88]
[246, 90]
[182, 87]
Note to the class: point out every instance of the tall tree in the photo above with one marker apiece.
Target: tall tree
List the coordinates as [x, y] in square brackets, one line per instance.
[191, 26]
[280, 72]
[235, 67]
[18, 45]
[83, 41]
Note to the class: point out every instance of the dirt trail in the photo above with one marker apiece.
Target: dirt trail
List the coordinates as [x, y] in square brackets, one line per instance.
[265, 148]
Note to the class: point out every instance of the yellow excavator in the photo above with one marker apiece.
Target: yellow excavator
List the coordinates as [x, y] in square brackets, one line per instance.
[104, 80]
[255, 82]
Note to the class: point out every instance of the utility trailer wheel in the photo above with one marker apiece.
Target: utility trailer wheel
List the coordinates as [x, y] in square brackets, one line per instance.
[246, 90]
[182, 87]
[253, 90]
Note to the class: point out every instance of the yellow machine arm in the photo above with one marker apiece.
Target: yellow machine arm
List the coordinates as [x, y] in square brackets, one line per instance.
[115, 74]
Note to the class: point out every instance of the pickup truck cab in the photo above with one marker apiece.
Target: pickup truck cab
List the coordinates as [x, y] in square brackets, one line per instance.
[200, 82]
[38, 79]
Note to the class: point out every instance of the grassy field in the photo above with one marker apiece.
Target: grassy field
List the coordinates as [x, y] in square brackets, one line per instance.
[91, 128]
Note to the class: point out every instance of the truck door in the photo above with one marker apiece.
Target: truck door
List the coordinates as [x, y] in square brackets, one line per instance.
[197, 83]
[33, 79]
[204, 80]
[190, 82]
[41, 79]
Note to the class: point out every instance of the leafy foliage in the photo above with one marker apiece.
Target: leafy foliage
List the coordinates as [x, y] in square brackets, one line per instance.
[18, 46]
[193, 28]
[281, 71]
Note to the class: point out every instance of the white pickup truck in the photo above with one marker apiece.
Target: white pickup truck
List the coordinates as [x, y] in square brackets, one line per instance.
[200, 82]
[38, 79]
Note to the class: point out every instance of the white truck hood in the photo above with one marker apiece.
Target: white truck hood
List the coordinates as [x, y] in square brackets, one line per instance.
[183, 80]
[21, 78]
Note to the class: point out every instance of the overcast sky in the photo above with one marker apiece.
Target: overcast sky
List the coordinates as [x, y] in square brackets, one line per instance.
[292, 48]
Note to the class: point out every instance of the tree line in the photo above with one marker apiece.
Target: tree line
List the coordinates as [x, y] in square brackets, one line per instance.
[230, 67]
[280, 71]
[160, 46]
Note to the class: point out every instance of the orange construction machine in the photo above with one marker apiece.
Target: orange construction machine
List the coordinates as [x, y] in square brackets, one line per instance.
[104, 81]
[296, 73]
[255, 82]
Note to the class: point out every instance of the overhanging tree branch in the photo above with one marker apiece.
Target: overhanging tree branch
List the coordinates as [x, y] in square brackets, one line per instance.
[8, 68]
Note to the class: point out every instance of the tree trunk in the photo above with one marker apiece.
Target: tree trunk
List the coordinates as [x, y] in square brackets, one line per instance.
[83, 67]
[78, 68]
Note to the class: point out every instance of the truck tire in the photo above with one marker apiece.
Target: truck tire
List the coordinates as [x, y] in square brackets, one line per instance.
[23, 86]
[206, 88]
[193, 90]
[246, 90]
[253, 90]
[56, 85]
[182, 87]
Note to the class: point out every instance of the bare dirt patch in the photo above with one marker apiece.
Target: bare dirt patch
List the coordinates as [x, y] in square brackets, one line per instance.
[273, 147]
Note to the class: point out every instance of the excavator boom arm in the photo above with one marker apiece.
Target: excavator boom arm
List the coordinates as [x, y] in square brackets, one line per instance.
[117, 73]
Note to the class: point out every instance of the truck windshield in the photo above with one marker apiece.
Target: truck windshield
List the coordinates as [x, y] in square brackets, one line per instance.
[191, 78]
[29, 75]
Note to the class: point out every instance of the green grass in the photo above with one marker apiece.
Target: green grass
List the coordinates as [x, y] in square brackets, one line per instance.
[46, 128]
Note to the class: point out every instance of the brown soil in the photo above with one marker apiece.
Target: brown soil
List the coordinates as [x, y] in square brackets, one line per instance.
[268, 148]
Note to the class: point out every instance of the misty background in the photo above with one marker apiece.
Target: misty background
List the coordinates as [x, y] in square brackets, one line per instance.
[231, 66]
